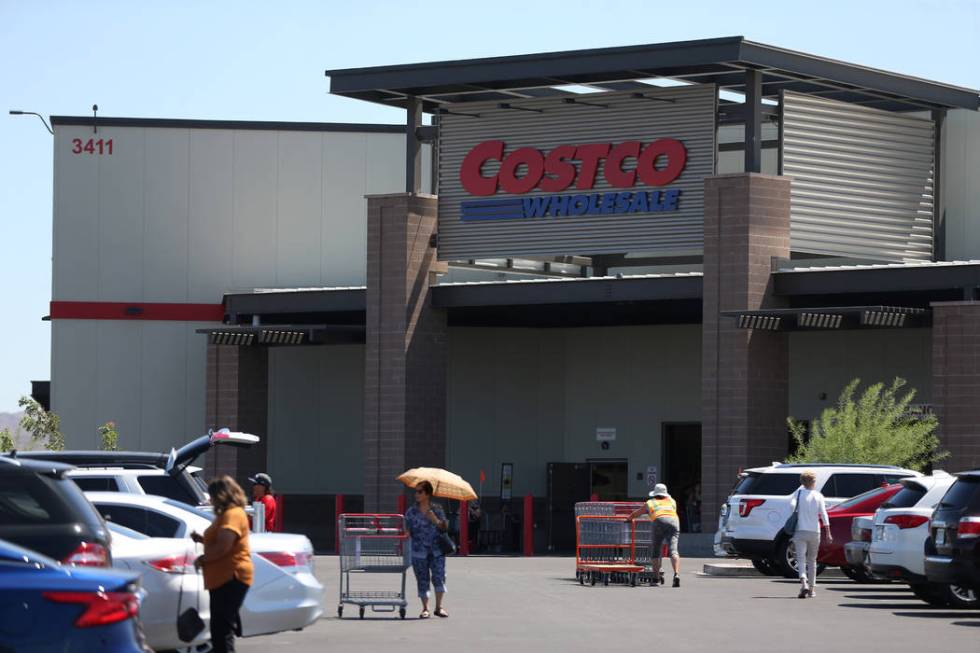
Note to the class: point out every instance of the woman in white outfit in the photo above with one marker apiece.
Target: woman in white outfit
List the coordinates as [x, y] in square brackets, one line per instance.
[811, 515]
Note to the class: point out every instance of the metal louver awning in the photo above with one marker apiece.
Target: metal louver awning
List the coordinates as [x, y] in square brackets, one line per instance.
[832, 318]
[275, 335]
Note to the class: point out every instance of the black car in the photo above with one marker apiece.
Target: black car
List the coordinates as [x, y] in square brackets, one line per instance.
[42, 509]
[177, 483]
[953, 547]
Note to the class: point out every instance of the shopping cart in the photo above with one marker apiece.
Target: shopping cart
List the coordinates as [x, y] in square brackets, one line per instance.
[372, 546]
[605, 549]
[641, 536]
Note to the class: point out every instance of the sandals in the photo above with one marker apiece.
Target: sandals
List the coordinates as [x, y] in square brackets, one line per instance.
[441, 612]
[424, 615]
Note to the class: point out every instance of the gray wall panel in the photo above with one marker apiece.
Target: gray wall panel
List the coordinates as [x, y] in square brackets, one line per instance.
[689, 117]
[862, 180]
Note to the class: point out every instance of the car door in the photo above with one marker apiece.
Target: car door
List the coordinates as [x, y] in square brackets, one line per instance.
[844, 485]
[141, 520]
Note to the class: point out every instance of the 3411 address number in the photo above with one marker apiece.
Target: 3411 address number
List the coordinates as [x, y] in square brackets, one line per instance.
[91, 146]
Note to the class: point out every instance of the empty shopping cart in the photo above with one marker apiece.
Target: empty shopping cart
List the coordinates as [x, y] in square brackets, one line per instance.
[375, 553]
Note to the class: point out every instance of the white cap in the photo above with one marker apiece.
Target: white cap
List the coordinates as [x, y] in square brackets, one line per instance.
[659, 490]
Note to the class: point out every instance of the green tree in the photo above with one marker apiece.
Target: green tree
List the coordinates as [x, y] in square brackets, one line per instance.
[6, 440]
[44, 426]
[877, 428]
[110, 437]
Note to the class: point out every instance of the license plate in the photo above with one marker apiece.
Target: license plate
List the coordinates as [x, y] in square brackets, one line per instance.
[940, 536]
[879, 533]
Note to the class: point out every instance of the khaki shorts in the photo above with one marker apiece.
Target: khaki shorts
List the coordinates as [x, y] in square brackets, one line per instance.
[665, 528]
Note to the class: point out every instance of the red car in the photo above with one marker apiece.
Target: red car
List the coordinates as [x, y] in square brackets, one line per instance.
[841, 515]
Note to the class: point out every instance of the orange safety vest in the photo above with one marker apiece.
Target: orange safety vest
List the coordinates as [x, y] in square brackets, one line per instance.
[665, 507]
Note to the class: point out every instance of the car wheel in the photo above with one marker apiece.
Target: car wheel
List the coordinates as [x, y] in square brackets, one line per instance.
[931, 593]
[765, 566]
[959, 597]
[785, 562]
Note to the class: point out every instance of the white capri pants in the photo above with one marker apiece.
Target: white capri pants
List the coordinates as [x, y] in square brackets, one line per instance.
[807, 544]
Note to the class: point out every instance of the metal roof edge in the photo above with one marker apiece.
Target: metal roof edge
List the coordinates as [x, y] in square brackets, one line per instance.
[195, 123]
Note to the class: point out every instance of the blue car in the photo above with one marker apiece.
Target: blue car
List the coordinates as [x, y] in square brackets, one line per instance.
[45, 606]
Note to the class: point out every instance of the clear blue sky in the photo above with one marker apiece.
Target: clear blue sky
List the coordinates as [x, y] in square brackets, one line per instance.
[265, 61]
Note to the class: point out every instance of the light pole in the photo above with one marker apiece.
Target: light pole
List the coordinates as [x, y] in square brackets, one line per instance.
[15, 112]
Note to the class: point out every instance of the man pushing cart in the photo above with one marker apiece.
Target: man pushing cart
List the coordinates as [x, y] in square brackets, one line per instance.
[662, 510]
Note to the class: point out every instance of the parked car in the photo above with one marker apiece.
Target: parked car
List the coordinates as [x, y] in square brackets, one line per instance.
[171, 584]
[953, 548]
[841, 519]
[901, 527]
[164, 474]
[856, 551]
[751, 520]
[42, 510]
[285, 595]
[51, 608]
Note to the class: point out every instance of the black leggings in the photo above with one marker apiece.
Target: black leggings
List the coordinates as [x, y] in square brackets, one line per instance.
[225, 623]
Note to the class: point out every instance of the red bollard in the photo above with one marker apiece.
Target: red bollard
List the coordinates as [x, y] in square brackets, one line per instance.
[338, 510]
[464, 528]
[401, 504]
[529, 525]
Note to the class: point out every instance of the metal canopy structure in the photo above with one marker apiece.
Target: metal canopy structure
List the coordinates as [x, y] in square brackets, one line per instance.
[832, 318]
[721, 61]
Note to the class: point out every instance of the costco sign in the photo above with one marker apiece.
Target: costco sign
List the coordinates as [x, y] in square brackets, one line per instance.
[527, 168]
[623, 174]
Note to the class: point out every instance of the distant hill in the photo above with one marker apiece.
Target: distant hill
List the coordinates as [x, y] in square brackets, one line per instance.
[12, 421]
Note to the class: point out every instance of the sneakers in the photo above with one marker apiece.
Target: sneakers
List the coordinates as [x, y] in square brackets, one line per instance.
[811, 593]
[804, 591]
[677, 581]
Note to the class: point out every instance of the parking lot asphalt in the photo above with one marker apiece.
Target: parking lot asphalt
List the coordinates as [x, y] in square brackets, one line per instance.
[524, 604]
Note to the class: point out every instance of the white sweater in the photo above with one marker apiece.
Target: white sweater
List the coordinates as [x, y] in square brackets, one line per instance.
[813, 510]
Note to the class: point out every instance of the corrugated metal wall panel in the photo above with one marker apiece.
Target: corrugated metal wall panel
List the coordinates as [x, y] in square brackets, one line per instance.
[689, 118]
[862, 180]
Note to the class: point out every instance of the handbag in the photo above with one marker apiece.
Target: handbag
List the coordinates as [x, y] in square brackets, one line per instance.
[790, 526]
[445, 543]
[189, 622]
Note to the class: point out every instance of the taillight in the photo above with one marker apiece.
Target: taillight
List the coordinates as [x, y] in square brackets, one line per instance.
[968, 527]
[287, 559]
[746, 506]
[101, 608]
[88, 554]
[175, 564]
[907, 521]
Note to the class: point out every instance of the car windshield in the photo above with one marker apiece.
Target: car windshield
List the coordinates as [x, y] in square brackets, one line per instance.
[772, 484]
[850, 503]
[960, 493]
[119, 529]
[907, 497]
[203, 514]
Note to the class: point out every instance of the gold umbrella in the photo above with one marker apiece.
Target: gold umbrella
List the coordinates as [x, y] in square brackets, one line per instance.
[444, 484]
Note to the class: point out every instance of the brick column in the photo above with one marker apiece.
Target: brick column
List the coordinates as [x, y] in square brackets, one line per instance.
[238, 398]
[405, 347]
[956, 381]
[744, 374]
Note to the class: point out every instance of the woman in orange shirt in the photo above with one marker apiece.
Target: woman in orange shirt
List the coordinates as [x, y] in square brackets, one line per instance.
[227, 561]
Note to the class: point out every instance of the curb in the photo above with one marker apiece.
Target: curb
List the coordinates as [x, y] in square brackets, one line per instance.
[748, 571]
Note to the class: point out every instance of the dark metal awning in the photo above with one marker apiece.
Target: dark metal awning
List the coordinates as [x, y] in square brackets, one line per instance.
[832, 318]
[272, 335]
[721, 61]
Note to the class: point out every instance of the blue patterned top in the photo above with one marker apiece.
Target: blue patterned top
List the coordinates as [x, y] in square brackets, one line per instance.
[423, 531]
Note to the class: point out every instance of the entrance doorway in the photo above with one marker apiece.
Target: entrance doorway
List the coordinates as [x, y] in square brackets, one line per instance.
[682, 471]
[609, 479]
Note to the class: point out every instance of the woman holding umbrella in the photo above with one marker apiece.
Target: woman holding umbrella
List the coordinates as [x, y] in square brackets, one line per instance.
[426, 522]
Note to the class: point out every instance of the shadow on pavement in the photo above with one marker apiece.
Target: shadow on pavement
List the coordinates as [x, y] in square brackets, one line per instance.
[937, 614]
[877, 597]
[886, 606]
[975, 624]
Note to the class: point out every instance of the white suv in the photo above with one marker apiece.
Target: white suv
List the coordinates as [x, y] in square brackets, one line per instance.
[751, 521]
[901, 527]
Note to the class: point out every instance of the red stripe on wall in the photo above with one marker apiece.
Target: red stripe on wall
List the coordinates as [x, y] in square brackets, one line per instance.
[137, 311]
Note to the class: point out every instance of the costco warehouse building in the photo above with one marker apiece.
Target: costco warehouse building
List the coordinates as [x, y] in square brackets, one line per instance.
[591, 269]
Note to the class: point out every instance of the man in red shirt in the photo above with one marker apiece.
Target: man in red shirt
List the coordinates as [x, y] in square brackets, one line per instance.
[262, 491]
